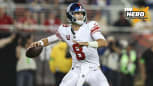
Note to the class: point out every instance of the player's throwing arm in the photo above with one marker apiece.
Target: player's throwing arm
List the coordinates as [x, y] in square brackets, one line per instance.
[35, 48]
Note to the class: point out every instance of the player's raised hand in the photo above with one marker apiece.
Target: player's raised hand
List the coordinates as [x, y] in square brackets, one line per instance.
[34, 49]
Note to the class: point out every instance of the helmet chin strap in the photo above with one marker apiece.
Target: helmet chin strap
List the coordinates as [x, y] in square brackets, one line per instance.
[79, 22]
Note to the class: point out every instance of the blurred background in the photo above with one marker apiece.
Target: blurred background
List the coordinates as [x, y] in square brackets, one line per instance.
[127, 61]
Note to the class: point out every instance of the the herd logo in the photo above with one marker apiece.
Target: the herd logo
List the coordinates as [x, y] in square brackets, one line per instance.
[137, 14]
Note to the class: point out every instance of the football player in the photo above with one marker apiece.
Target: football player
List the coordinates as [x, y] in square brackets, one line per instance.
[83, 38]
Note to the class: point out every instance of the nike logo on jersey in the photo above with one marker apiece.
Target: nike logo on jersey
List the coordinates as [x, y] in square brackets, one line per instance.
[68, 37]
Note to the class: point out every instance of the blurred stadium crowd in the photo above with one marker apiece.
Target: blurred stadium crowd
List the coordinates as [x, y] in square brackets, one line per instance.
[127, 61]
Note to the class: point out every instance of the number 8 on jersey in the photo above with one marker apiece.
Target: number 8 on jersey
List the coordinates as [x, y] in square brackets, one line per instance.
[78, 51]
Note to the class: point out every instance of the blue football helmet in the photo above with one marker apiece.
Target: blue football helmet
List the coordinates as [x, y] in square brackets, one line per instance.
[76, 7]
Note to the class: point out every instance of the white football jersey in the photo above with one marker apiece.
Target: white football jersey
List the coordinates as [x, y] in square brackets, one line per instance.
[87, 32]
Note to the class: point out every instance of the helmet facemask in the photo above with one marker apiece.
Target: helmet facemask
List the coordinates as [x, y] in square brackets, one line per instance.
[79, 19]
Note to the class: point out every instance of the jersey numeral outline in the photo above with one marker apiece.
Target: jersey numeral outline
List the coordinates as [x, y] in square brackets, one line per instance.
[80, 55]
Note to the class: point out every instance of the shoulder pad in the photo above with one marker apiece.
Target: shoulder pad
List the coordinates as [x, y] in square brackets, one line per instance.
[94, 27]
[92, 23]
[65, 25]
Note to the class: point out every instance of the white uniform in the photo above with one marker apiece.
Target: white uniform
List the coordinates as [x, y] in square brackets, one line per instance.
[85, 60]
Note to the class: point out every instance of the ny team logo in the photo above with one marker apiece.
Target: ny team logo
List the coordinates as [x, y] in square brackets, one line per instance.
[137, 14]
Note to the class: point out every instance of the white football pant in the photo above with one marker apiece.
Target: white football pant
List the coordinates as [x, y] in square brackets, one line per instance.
[84, 73]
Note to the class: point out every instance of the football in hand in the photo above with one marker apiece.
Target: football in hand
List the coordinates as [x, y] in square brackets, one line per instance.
[33, 52]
